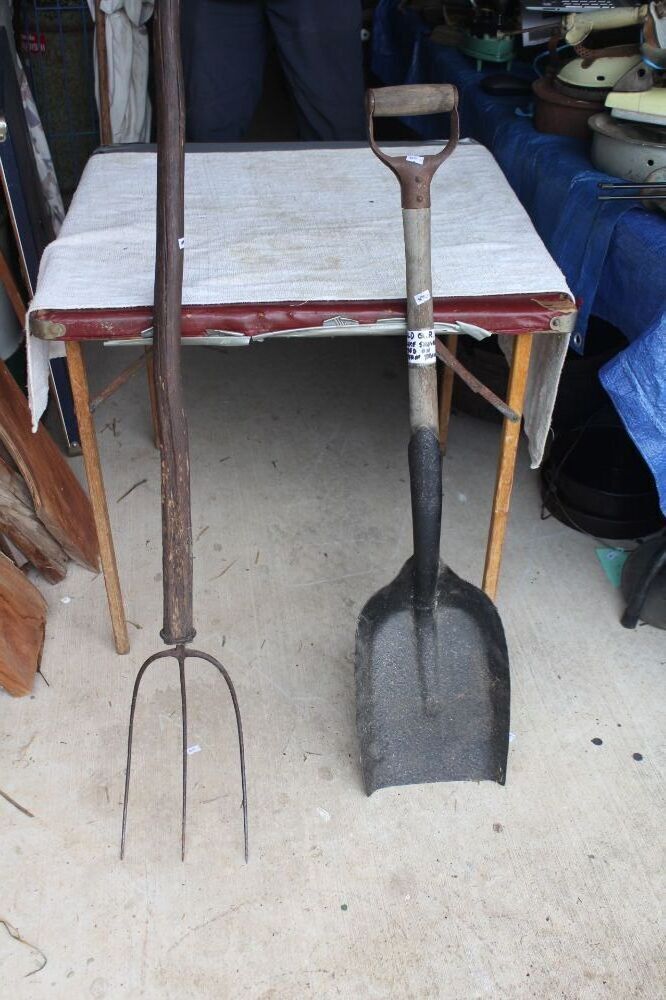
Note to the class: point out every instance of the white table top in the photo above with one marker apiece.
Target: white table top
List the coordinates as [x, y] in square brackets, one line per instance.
[299, 225]
[291, 225]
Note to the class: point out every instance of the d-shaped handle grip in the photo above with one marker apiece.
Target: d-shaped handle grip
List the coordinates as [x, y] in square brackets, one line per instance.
[415, 172]
[412, 99]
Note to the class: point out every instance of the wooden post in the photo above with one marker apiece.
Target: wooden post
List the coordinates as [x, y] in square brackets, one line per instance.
[11, 288]
[446, 395]
[77, 374]
[105, 130]
[520, 364]
[177, 566]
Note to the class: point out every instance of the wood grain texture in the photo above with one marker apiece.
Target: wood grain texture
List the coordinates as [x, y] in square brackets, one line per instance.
[174, 445]
[413, 99]
[22, 628]
[60, 503]
[422, 378]
[520, 366]
[150, 379]
[79, 381]
[23, 528]
[12, 289]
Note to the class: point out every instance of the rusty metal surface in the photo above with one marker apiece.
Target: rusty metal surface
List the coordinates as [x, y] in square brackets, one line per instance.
[120, 380]
[181, 653]
[451, 361]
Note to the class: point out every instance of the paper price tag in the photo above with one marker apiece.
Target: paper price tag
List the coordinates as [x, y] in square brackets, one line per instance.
[181, 243]
[422, 297]
[413, 158]
[421, 347]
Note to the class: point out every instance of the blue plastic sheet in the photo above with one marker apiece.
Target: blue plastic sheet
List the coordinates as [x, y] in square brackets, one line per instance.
[613, 255]
[635, 380]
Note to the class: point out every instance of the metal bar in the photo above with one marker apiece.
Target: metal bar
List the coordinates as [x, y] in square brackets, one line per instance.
[638, 184]
[632, 197]
[451, 361]
[125, 375]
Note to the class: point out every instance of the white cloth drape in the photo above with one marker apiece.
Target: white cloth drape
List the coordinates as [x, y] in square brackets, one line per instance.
[128, 58]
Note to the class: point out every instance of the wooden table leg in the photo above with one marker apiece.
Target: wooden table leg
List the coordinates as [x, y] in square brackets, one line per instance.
[77, 373]
[150, 376]
[446, 395]
[520, 364]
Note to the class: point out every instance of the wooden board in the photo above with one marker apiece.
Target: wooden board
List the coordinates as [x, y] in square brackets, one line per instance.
[60, 502]
[22, 627]
[21, 526]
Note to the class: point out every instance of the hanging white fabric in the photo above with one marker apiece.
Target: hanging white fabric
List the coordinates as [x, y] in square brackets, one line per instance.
[128, 58]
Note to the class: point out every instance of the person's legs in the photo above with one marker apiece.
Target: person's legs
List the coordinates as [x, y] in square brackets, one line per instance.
[224, 47]
[319, 42]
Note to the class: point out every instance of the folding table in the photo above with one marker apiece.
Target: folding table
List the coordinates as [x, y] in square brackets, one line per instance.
[303, 240]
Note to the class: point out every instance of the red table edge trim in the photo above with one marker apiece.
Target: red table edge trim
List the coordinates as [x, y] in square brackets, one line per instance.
[507, 314]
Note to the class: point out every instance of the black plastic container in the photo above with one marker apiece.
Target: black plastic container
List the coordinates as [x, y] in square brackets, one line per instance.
[595, 480]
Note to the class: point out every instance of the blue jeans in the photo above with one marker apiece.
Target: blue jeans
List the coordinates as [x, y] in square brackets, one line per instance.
[319, 46]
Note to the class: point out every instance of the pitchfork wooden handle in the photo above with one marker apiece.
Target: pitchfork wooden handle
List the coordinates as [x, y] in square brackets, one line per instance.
[174, 447]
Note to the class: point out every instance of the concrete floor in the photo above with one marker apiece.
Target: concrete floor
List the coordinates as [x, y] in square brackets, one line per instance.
[548, 887]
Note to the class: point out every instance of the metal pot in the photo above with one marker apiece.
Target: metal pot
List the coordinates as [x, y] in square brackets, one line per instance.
[561, 115]
[626, 149]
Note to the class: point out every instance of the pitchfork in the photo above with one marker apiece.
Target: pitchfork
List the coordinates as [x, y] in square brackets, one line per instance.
[178, 628]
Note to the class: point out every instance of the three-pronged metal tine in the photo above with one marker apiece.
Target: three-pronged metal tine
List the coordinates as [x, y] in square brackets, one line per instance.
[183, 705]
[239, 726]
[130, 733]
[181, 653]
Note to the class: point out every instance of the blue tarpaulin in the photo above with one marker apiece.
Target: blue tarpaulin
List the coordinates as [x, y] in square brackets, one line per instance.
[612, 254]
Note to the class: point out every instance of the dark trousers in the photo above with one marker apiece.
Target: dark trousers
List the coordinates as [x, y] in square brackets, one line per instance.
[224, 51]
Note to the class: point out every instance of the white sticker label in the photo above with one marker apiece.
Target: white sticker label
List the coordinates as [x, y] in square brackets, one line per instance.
[181, 243]
[415, 159]
[421, 347]
[195, 748]
[422, 297]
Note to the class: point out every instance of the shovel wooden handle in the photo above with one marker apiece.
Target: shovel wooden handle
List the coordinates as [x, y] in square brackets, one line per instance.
[174, 446]
[416, 99]
[415, 173]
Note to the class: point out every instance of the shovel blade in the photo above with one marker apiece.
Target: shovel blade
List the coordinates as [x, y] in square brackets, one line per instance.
[432, 687]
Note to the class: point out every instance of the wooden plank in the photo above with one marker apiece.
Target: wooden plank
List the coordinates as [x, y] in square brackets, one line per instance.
[105, 130]
[22, 527]
[520, 366]
[12, 289]
[77, 374]
[23, 618]
[60, 502]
